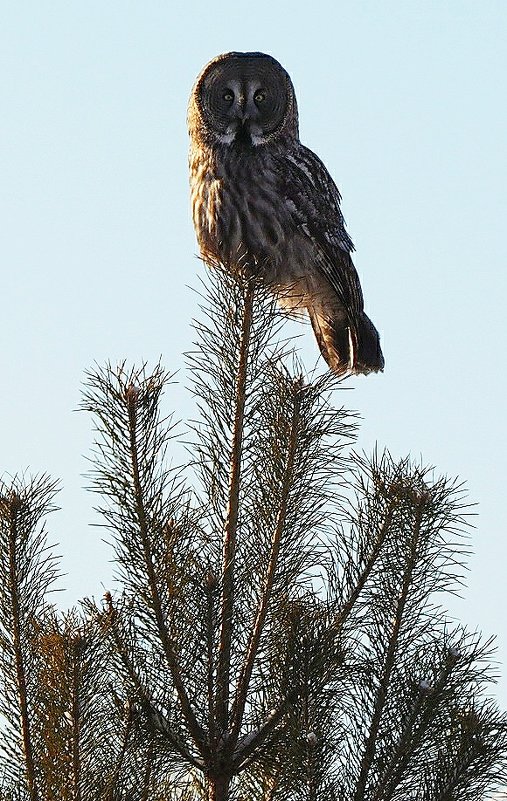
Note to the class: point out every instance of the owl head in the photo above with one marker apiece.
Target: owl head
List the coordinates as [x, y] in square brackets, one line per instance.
[244, 98]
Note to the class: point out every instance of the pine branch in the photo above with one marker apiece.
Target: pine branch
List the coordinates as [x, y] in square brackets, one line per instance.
[371, 561]
[411, 735]
[247, 749]
[159, 724]
[224, 655]
[165, 637]
[75, 687]
[383, 687]
[14, 503]
[224, 612]
[147, 776]
[110, 623]
[113, 779]
[27, 574]
[468, 770]
[256, 633]
[211, 585]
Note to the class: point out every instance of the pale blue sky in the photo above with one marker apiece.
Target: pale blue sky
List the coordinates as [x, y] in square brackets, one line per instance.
[404, 101]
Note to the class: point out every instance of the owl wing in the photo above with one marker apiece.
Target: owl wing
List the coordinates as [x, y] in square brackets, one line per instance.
[314, 201]
[347, 338]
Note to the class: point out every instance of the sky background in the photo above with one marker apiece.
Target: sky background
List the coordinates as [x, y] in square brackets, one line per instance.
[405, 103]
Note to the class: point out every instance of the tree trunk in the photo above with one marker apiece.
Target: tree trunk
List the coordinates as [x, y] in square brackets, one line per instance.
[219, 788]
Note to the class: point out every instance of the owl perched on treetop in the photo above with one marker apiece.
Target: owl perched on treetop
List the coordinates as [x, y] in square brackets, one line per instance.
[263, 202]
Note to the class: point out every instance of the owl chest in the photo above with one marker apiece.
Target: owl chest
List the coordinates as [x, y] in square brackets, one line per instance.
[239, 213]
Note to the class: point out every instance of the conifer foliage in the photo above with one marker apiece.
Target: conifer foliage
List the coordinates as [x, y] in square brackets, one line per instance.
[275, 632]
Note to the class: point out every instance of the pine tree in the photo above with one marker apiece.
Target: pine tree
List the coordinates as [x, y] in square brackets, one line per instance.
[275, 633]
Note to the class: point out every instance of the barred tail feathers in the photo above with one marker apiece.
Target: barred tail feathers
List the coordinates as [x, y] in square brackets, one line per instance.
[345, 346]
[369, 357]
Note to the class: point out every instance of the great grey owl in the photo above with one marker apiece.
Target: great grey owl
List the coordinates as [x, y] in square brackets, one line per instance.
[265, 203]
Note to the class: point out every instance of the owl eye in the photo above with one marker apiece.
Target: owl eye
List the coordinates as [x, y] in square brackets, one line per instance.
[259, 97]
[228, 96]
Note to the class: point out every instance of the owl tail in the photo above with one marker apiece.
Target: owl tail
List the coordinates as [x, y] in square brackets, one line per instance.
[348, 347]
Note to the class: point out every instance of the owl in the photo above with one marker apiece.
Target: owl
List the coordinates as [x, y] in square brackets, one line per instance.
[264, 203]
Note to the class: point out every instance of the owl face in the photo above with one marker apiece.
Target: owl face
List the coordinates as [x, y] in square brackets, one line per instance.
[246, 98]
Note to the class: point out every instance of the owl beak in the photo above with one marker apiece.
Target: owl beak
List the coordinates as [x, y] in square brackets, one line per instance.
[244, 120]
[243, 124]
[243, 114]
